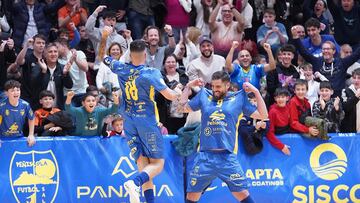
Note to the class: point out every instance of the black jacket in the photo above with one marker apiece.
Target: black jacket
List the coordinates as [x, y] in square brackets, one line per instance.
[61, 81]
[348, 124]
[6, 58]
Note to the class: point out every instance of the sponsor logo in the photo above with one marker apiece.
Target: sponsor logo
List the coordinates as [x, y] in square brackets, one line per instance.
[331, 169]
[34, 176]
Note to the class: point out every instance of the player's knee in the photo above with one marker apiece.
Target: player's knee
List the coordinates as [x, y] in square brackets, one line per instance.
[241, 195]
[193, 196]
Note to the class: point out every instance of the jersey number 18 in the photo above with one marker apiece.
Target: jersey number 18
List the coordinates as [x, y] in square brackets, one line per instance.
[131, 90]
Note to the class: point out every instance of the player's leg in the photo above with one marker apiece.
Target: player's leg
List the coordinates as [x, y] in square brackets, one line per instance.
[201, 176]
[230, 171]
[147, 187]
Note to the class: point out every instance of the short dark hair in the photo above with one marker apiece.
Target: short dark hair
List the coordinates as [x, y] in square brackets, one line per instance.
[301, 82]
[281, 91]
[62, 41]
[11, 84]
[221, 75]
[151, 27]
[270, 11]
[355, 72]
[312, 22]
[325, 84]
[39, 36]
[108, 14]
[46, 93]
[91, 88]
[137, 46]
[288, 48]
[88, 94]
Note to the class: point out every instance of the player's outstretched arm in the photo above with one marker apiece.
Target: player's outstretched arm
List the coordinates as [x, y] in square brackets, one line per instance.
[184, 106]
[261, 112]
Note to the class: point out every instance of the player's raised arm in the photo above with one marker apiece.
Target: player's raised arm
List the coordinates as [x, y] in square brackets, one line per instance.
[261, 112]
[184, 106]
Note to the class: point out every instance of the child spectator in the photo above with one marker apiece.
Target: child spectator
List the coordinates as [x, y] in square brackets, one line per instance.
[117, 124]
[89, 117]
[307, 73]
[14, 112]
[351, 104]
[252, 131]
[299, 109]
[285, 73]
[279, 116]
[328, 108]
[47, 102]
[271, 32]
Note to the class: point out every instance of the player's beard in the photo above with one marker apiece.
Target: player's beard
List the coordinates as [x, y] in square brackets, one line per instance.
[219, 95]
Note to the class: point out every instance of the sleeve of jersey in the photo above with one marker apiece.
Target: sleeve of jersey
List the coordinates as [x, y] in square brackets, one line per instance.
[260, 70]
[157, 81]
[235, 71]
[247, 107]
[195, 102]
[115, 66]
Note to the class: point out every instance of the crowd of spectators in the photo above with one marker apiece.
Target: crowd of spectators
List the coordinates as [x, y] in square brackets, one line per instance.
[302, 56]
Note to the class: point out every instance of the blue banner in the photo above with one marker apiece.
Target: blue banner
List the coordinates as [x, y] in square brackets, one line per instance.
[316, 171]
[93, 169]
[78, 169]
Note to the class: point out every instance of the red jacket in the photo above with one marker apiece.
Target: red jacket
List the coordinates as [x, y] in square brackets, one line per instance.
[299, 109]
[279, 124]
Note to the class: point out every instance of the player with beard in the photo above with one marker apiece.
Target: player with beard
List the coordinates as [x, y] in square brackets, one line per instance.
[245, 71]
[205, 65]
[221, 113]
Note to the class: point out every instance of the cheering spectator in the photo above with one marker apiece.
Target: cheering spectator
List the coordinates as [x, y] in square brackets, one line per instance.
[285, 73]
[155, 53]
[329, 65]
[245, 71]
[54, 76]
[71, 14]
[89, 117]
[14, 112]
[186, 50]
[279, 116]
[30, 60]
[203, 11]
[317, 12]
[271, 32]
[7, 57]
[226, 31]
[346, 22]
[208, 63]
[314, 42]
[173, 76]
[95, 34]
[329, 109]
[77, 71]
[178, 16]
[117, 124]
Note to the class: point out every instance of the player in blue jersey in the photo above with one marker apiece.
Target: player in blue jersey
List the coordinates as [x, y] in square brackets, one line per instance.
[221, 112]
[14, 112]
[138, 84]
[245, 71]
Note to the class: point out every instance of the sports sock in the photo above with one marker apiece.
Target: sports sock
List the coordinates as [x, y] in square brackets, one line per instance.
[140, 179]
[248, 199]
[149, 196]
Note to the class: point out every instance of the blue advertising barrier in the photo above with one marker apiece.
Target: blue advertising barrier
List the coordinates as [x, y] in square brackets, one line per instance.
[93, 169]
[79, 169]
[316, 171]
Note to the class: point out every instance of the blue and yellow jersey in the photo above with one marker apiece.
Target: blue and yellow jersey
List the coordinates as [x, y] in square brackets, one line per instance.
[253, 75]
[12, 118]
[138, 85]
[220, 119]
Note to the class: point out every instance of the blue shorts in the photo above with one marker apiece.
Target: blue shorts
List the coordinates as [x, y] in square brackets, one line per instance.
[144, 137]
[210, 165]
